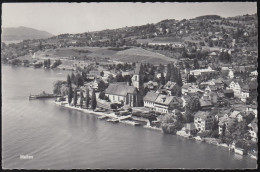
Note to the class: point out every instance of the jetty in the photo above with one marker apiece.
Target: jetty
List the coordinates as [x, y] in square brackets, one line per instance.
[43, 95]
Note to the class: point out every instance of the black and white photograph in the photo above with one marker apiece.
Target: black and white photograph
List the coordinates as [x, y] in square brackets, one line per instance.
[124, 85]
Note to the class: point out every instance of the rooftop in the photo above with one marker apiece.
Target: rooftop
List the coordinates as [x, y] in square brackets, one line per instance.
[150, 96]
[121, 90]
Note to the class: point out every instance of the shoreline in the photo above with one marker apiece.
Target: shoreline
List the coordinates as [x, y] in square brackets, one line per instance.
[178, 133]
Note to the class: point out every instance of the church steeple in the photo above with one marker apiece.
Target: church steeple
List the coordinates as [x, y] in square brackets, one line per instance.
[138, 76]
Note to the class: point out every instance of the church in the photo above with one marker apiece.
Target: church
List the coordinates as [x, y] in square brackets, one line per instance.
[123, 92]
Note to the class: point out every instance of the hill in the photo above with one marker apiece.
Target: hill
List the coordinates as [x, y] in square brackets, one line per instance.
[23, 33]
[209, 17]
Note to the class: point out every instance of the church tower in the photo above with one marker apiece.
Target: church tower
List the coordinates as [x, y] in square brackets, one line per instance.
[138, 76]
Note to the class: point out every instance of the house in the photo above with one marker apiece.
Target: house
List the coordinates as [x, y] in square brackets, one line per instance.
[253, 129]
[252, 108]
[254, 73]
[93, 74]
[220, 115]
[236, 86]
[234, 114]
[185, 99]
[211, 88]
[227, 121]
[205, 104]
[151, 85]
[249, 90]
[149, 100]
[222, 120]
[190, 129]
[165, 103]
[128, 94]
[172, 88]
[189, 88]
[231, 74]
[228, 93]
[198, 72]
[203, 120]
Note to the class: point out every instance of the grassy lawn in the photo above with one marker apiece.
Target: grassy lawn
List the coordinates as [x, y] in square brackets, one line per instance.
[141, 55]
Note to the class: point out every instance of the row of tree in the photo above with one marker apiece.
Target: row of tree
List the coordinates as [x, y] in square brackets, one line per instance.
[77, 80]
[88, 101]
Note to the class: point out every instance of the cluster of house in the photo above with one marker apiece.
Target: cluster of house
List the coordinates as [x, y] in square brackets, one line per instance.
[231, 94]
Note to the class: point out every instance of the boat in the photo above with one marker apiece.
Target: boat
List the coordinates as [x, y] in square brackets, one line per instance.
[102, 117]
[43, 95]
[114, 120]
[131, 122]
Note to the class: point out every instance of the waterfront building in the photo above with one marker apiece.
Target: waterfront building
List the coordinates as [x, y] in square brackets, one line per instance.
[203, 121]
[253, 129]
[128, 94]
[149, 100]
[165, 103]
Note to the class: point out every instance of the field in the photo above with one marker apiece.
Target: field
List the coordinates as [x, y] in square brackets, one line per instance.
[141, 55]
[97, 53]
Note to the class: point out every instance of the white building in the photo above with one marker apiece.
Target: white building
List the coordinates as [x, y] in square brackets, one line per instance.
[149, 100]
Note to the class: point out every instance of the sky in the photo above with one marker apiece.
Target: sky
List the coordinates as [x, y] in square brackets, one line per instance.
[58, 18]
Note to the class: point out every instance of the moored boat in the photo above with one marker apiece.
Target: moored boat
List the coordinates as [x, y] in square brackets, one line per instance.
[114, 120]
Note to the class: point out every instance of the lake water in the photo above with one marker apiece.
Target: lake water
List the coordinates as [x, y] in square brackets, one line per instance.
[60, 138]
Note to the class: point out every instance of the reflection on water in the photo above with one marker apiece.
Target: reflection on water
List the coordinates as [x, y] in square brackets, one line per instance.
[60, 138]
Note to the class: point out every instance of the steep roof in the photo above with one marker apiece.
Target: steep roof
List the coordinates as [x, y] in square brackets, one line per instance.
[202, 114]
[234, 114]
[121, 90]
[164, 100]
[228, 91]
[150, 96]
[205, 103]
[169, 85]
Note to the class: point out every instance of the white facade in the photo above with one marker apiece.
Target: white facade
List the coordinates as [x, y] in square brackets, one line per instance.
[231, 74]
[236, 88]
[204, 124]
[149, 104]
[116, 98]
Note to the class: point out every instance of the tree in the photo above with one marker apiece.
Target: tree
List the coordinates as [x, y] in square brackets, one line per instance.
[196, 64]
[192, 106]
[179, 79]
[119, 78]
[75, 97]
[81, 98]
[93, 100]
[70, 94]
[68, 80]
[102, 95]
[168, 74]
[223, 132]
[72, 78]
[57, 87]
[162, 79]
[79, 80]
[101, 85]
[87, 98]
[48, 63]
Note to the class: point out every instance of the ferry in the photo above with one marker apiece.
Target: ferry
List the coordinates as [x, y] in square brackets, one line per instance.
[43, 95]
